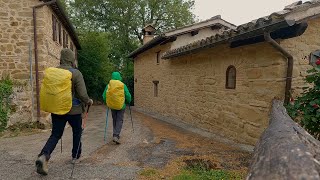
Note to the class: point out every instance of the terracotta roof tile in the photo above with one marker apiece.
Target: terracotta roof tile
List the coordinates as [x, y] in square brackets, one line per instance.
[263, 22]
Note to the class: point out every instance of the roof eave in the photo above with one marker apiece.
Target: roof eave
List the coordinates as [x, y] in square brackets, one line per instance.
[152, 43]
[210, 42]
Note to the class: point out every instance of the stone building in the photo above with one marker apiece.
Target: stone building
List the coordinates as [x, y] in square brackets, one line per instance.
[23, 42]
[222, 78]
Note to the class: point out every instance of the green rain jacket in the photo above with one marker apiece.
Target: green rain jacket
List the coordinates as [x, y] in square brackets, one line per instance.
[127, 95]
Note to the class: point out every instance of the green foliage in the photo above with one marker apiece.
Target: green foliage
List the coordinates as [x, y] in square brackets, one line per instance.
[109, 30]
[5, 92]
[129, 17]
[200, 173]
[149, 172]
[124, 20]
[63, 4]
[94, 62]
[128, 79]
[305, 109]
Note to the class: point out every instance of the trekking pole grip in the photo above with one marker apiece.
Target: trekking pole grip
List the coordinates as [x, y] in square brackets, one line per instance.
[88, 108]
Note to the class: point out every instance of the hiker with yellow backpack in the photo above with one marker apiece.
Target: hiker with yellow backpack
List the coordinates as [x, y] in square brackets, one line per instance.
[64, 95]
[116, 95]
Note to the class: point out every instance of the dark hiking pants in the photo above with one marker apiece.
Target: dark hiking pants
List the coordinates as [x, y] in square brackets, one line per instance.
[58, 125]
[117, 116]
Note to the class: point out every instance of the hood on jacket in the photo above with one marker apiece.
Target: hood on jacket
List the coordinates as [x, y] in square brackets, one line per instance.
[67, 57]
[116, 76]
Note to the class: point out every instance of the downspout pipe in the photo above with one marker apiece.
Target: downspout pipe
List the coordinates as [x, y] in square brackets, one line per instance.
[289, 57]
[35, 39]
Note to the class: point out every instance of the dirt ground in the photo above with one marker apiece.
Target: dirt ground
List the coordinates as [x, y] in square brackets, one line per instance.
[181, 146]
[154, 144]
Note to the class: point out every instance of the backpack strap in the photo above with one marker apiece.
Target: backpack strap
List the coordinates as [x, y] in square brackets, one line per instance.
[75, 101]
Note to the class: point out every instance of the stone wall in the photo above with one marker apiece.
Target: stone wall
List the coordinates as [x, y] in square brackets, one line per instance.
[16, 37]
[51, 54]
[16, 24]
[192, 87]
[301, 47]
[49, 50]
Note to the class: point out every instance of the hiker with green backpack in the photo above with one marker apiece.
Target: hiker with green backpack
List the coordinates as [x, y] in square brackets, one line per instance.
[116, 95]
[64, 95]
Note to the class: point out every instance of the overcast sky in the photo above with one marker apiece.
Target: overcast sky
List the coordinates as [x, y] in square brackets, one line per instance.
[238, 11]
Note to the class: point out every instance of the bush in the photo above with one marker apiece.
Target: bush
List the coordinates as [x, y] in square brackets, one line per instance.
[305, 109]
[5, 92]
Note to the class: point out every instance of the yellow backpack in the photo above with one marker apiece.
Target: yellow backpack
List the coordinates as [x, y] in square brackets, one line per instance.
[56, 93]
[115, 95]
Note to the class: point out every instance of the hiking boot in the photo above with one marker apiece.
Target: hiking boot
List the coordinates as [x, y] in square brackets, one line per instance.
[116, 140]
[75, 161]
[42, 165]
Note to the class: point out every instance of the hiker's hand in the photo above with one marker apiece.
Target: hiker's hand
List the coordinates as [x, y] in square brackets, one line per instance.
[90, 102]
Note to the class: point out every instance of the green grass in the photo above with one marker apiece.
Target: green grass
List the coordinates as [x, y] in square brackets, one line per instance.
[148, 172]
[22, 129]
[199, 173]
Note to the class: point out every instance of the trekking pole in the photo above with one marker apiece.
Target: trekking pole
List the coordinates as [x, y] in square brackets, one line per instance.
[61, 143]
[85, 118]
[105, 129]
[83, 126]
[131, 119]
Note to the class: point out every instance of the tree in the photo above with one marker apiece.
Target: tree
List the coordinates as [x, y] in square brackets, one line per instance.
[127, 18]
[64, 4]
[122, 21]
[94, 62]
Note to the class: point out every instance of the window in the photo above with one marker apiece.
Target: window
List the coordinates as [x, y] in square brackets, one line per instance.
[71, 46]
[158, 57]
[67, 39]
[60, 34]
[54, 28]
[64, 39]
[155, 88]
[231, 77]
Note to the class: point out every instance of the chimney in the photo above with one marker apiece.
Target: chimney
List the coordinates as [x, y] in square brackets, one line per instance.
[148, 33]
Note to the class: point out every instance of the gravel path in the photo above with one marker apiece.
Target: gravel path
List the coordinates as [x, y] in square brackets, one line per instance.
[153, 144]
